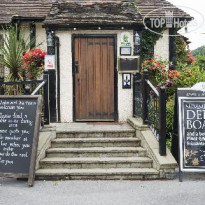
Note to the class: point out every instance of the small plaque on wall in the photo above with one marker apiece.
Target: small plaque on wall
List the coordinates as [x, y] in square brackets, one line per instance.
[126, 81]
[129, 64]
[125, 51]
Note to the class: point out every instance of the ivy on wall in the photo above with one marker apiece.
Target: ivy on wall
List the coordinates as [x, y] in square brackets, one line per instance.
[181, 50]
[148, 41]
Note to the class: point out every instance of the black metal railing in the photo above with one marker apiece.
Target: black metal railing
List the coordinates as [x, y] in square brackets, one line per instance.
[30, 87]
[137, 95]
[150, 105]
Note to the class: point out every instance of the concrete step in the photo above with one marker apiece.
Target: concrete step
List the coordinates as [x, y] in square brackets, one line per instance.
[98, 174]
[97, 152]
[90, 163]
[127, 133]
[95, 142]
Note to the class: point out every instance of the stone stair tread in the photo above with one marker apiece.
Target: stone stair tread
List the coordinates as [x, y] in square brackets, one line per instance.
[59, 140]
[94, 130]
[97, 149]
[112, 171]
[96, 160]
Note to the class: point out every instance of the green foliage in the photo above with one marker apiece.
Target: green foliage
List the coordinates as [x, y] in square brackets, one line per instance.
[181, 50]
[132, 4]
[12, 51]
[190, 76]
[149, 39]
[173, 79]
[200, 61]
[199, 51]
[183, 55]
[169, 116]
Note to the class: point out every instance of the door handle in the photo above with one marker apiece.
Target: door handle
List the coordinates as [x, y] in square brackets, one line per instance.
[76, 67]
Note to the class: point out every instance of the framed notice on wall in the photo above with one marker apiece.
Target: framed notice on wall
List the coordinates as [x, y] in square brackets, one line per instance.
[191, 123]
[50, 62]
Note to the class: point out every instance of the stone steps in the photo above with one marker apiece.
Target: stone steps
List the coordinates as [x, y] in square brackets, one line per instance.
[95, 142]
[128, 133]
[98, 174]
[97, 152]
[93, 163]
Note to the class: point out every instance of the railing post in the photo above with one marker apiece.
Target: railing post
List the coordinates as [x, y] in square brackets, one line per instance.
[1, 87]
[46, 99]
[27, 90]
[145, 96]
[162, 122]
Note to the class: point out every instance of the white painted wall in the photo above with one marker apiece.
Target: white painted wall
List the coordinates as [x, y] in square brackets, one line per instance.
[125, 106]
[41, 37]
[66, 81]
[162, 46]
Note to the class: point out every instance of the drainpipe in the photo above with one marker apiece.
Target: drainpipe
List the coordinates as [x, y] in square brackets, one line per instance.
[58, 76]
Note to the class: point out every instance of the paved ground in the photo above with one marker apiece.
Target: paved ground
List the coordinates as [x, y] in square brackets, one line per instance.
[191, 191]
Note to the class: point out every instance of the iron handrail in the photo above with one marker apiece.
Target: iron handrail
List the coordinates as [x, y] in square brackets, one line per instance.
[39, 87]
[152, 104]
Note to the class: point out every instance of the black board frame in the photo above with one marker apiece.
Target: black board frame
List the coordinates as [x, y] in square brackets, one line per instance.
[186, 95]
[31, 174]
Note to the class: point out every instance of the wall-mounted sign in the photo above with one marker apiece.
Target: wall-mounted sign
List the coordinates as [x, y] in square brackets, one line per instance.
[125, 39]
[129, 64]
[50, 62]
[125, 51]
[126, 81]
[191, 120]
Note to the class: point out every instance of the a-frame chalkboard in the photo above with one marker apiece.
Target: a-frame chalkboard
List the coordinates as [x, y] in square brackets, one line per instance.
[19, 132]
[191, 130]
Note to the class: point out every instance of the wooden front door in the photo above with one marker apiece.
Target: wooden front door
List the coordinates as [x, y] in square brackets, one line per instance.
[94, 79]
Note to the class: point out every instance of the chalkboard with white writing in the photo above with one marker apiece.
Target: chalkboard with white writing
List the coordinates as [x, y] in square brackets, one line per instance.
[191, 110]
[19, 130]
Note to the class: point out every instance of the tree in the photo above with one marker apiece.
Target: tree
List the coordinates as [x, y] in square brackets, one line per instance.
[15, 45]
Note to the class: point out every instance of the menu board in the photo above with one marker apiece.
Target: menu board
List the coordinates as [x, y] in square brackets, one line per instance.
[19, 130]
[191, 110]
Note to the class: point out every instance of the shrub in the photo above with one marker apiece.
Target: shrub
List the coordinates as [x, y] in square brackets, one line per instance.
[200, 61]
[173, 79]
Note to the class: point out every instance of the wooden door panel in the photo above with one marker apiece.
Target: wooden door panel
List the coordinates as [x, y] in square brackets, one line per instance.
[94, 82]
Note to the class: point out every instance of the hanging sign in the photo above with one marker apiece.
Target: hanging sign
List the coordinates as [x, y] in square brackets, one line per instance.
[50, 62]
[191, 122]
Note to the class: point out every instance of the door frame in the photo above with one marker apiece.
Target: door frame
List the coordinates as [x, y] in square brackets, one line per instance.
[114, 36]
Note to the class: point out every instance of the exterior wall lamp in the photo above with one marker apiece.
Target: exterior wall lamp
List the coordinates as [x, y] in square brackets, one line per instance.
[51, 42]
[137, 42]
[50, 39]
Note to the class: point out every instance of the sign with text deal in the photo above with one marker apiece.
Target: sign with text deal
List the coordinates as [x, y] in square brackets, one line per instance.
[191, 110]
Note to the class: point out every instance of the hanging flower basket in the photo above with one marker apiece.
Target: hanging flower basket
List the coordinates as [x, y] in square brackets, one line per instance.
[33, 63]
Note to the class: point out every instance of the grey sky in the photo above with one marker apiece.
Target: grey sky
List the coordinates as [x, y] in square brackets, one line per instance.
[195, 8]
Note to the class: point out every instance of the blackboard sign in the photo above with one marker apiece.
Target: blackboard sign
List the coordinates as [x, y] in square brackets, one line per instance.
[19, 130]
[191, 117]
